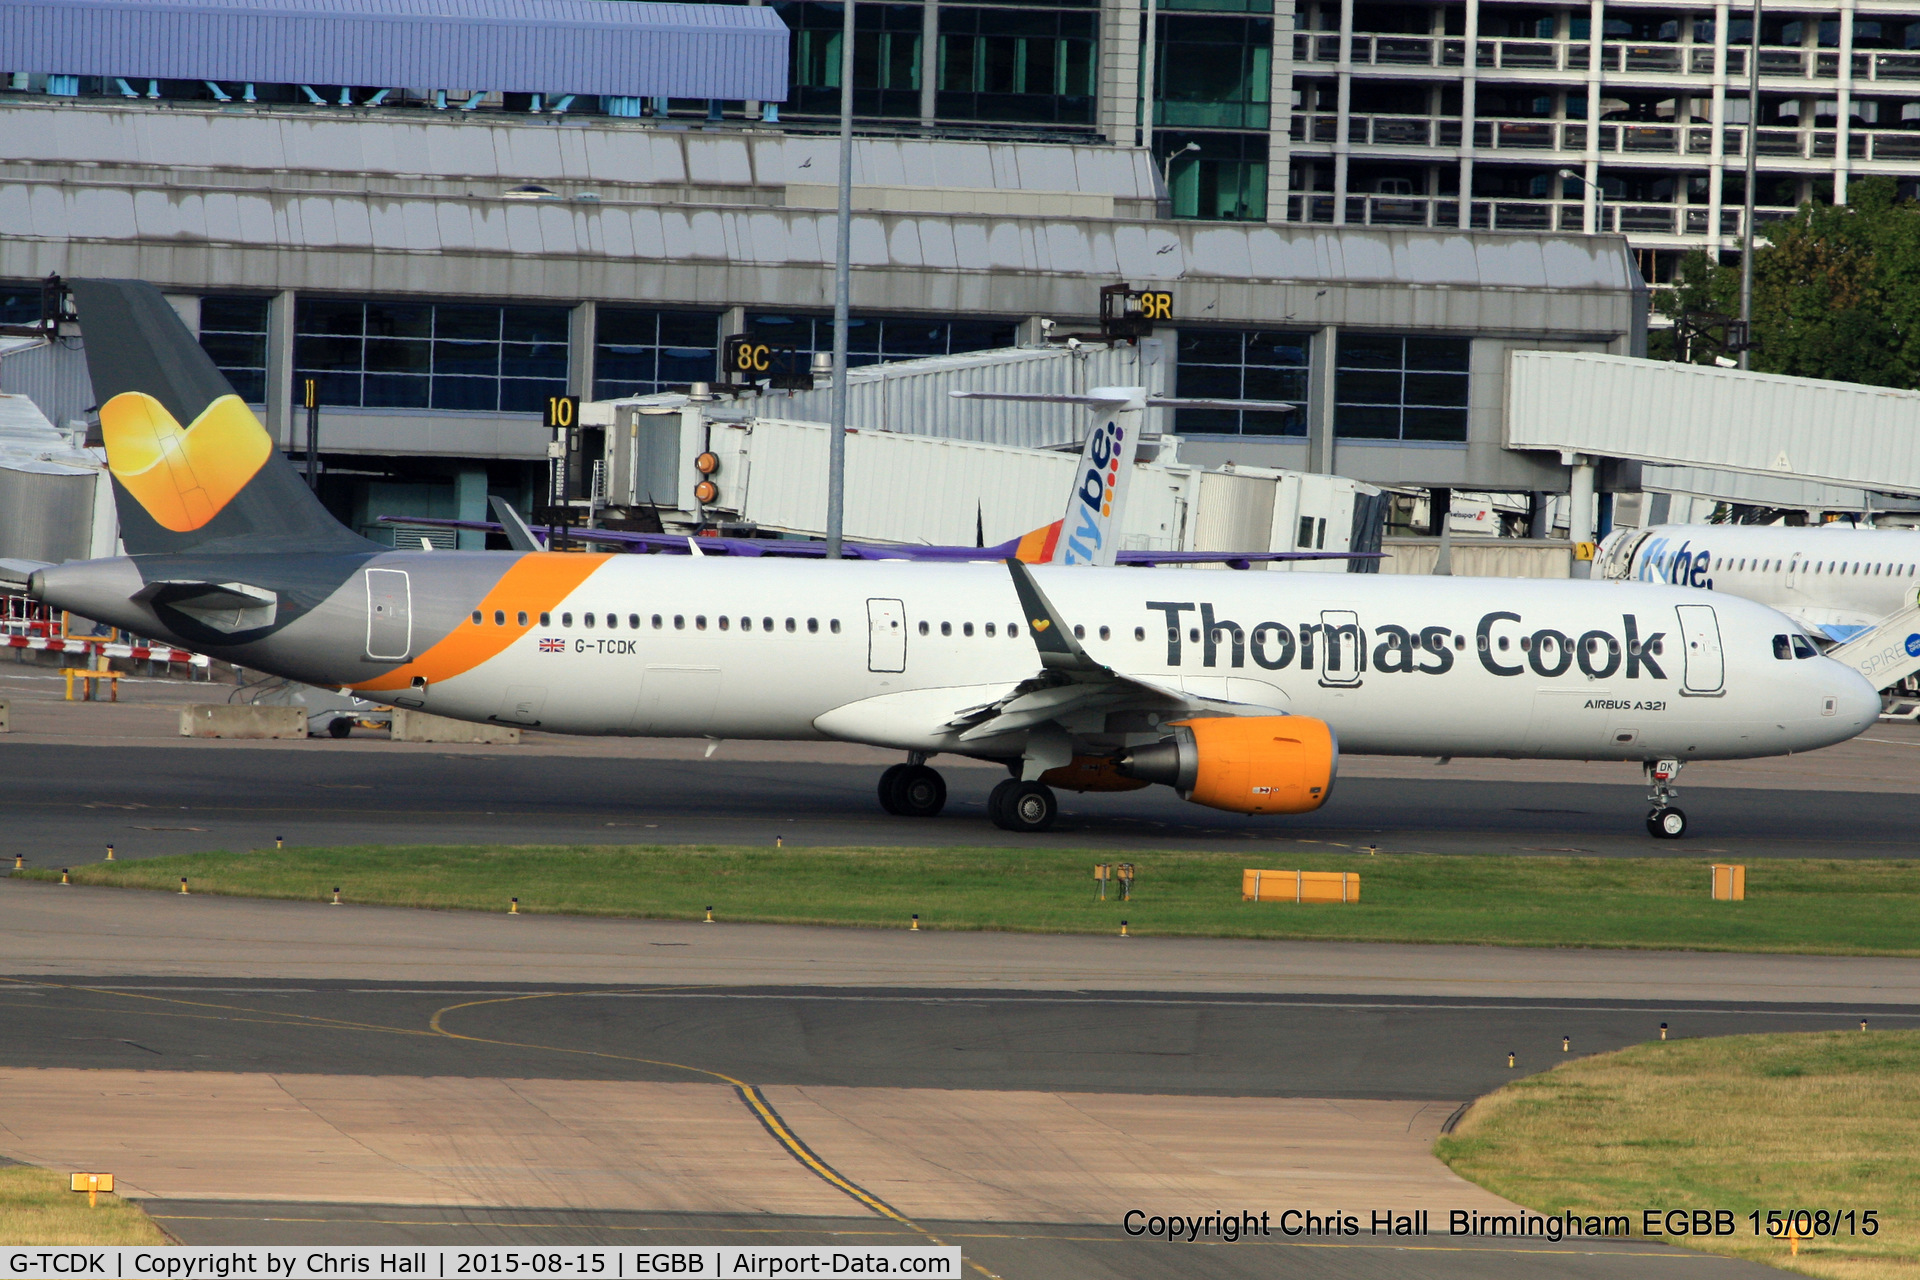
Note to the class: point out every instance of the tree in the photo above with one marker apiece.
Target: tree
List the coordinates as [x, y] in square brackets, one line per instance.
[1836, 291]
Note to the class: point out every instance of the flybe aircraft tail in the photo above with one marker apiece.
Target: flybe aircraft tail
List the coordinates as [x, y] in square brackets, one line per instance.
[1090, 533]
[193, 469]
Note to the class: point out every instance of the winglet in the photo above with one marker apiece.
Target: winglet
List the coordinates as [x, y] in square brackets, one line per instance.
[1059, 651]
[519, 536]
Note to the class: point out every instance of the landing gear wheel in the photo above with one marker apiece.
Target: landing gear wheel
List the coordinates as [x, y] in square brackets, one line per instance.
[1666, 824]
[339, 727]
[1022, 806]
[890, 788]
[919, 792]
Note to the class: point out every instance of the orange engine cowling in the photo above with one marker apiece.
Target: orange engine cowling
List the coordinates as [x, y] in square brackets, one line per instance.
[1091, 773]
[1244, 764]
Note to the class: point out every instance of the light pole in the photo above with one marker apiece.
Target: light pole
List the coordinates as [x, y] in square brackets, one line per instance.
[1599, 198]
[1746, 219]
[1166, 167]
[843, 241]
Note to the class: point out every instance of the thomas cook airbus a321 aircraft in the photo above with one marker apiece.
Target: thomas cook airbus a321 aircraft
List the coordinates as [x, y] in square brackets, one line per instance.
[1237, 689]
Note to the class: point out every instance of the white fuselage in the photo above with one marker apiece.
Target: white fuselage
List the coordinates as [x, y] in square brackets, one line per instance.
[891, 653]
[1837, 579]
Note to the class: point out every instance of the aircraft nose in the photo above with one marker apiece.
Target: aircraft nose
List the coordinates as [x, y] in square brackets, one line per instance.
[1857, 701]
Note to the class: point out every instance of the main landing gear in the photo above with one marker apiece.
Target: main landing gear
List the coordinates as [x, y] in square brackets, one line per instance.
[1025, 807]
[912, 790]
[1664, 821]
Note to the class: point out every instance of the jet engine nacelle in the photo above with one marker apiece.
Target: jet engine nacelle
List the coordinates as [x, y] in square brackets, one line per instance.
[1244, 764]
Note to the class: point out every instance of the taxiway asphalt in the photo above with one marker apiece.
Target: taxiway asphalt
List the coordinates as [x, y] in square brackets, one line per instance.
[65, 804]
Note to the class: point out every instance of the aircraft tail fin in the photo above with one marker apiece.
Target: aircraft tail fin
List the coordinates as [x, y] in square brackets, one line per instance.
[193, 469]
[1090, 533]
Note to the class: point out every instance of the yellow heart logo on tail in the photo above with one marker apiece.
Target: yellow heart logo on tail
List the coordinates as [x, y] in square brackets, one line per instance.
[1041, 624]
[183, 477]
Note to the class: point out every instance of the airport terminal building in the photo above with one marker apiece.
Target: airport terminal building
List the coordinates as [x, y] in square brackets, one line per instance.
[438, 272]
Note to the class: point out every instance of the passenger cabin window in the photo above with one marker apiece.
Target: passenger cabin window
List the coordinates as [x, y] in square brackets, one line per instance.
[566, 620]
[522, 617]
[546, 619]
[699, 622]
[1079, 632]
[924, 628]
[1105, 634]
[966, 628]
[476, 617]
[833, 625]
[1139, 633]
[633, 622]
[679, 622]
[656, 622]
[989, 630]
[1013, 630]
[790, 624]
[766, 624]
[813, 625]
[946, 628]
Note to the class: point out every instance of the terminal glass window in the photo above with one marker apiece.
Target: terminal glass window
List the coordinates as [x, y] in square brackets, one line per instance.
[638, 353]
[1393, 387]
[234, 332]
[1213, 73]
[1222, 179]
[873, 339]
[431, 355]
[886, 58]
[20, 303]
[1017, 65]
[1242, 364]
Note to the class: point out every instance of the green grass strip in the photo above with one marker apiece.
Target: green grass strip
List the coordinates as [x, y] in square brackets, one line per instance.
[1828, 1123]
[1824, 907]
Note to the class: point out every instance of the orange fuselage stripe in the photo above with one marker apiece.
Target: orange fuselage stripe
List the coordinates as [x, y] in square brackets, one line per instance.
[536, 583]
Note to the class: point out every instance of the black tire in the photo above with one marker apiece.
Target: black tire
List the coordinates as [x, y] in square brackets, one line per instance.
[339, 727]
[1025, 807]
[890, 789]
[997, 797]
[920, 792]
[1666, 824]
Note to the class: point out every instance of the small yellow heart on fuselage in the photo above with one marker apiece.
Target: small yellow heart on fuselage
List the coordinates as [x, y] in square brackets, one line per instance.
[182, 477]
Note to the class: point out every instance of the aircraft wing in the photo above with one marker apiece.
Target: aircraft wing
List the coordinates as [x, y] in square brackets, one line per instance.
[1071, 682]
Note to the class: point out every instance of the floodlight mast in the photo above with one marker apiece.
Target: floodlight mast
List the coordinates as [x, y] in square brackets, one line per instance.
[1746, 221]
[842, 285]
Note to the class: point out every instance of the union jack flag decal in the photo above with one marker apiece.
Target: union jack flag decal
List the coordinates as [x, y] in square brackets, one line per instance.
[551, 645]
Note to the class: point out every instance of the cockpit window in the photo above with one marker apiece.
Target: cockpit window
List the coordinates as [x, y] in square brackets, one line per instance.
[1803, 648]
[1781, 648]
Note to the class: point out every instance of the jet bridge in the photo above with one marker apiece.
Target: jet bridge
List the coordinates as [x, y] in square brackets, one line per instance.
[1783, 430]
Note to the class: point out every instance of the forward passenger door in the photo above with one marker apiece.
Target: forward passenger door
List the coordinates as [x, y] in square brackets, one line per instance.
[1706, 665]
[886, 635]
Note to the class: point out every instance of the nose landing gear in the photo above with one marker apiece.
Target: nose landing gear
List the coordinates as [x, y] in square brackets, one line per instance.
[912, 790]
[1664, 821]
